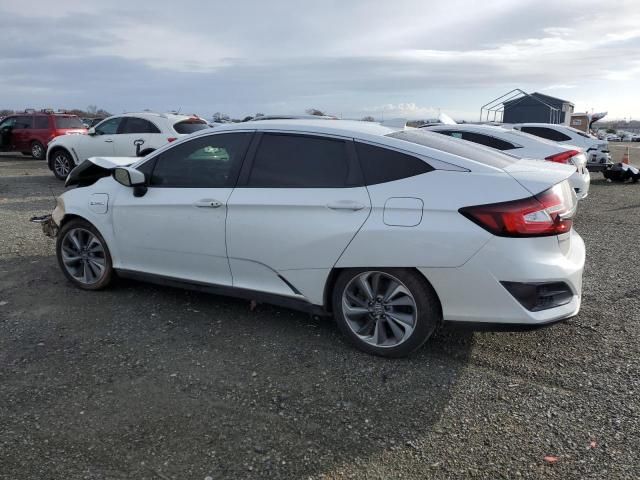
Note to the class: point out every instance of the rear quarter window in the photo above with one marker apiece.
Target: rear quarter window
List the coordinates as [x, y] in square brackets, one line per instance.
[381, 165]
[548, 133]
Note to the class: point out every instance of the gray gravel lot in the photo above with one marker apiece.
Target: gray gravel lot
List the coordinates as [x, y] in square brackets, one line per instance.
[146, 382]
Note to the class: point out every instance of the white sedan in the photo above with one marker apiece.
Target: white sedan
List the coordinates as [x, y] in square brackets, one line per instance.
[523, 145]
[126, 135]
[391, 231]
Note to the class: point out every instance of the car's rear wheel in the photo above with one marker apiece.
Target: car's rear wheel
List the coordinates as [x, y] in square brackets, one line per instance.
[83, 255]
[62, 164]
[389, 312]
[37, 150]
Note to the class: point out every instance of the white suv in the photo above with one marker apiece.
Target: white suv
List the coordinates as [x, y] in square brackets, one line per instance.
[126, 135]
[598, 155]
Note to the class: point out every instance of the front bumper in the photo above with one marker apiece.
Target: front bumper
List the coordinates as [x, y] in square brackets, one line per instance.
[473, 292]
[49, 226]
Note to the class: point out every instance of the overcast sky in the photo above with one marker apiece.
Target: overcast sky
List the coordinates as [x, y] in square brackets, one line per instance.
[350, 58]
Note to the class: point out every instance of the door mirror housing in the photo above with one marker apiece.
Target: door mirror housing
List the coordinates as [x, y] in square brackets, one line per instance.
[92, 131]
[130, 177]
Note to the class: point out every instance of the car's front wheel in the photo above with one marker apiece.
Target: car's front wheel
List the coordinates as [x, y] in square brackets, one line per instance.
[83, 255]
[62, 164]
[389, 312]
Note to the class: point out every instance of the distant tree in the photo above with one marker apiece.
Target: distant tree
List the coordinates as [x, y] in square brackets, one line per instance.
[368, 118]
[102, 113]
[219, 117]
[5, 112]
[315, 111]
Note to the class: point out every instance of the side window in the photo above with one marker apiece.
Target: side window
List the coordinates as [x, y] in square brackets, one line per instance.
[108, 127]
[24, 121]
[8, 122]
[382, 165]
[41, 122]
[205, 162]
[548, 133]
[137, 125]
[300, 161]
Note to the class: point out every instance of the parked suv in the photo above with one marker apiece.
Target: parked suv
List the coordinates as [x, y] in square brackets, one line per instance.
[126, 135]
[597, 151]
[30, 132]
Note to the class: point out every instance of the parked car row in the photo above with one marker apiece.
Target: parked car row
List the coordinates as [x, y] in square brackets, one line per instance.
[126, 135]
[390, 230]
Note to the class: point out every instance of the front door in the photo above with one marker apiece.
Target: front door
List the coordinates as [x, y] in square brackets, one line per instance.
[133, 129]
[99, 144]
[177, 229]
[22, 133]
[298, 206]
[6, 134]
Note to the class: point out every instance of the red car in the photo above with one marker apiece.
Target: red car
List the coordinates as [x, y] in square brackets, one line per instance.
[30, 132]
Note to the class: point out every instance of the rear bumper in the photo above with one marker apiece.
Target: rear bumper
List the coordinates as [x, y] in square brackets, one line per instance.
[473, 292]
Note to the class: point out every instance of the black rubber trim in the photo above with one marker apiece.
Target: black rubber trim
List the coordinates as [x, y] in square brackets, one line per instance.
[227, 291]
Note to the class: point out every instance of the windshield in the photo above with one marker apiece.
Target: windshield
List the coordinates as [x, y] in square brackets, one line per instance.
[472, 151]
[68, 122]
[190, 126]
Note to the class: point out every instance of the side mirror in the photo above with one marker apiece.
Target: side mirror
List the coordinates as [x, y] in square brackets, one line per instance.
[130, 177]
[91, 131]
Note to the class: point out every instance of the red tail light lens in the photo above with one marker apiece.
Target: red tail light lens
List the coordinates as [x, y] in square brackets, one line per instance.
[563, 157]
[548, 213]
[171, 139]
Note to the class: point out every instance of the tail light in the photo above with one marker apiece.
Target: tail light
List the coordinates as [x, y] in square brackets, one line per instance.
[548, 213]
[563, 157]
[171, 139]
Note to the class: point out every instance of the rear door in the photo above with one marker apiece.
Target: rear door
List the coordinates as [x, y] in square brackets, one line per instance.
[134, 129]
[300, 201]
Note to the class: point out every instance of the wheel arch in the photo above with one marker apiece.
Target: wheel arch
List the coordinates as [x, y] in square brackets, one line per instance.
[335, 272]
[52, 151]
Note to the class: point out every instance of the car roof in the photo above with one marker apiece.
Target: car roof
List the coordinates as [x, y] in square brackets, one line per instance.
[345, 128]
[176, 117]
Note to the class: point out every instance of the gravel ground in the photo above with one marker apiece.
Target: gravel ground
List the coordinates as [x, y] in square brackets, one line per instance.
[148, 382]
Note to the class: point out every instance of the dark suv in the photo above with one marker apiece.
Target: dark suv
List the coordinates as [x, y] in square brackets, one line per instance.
[30, 132]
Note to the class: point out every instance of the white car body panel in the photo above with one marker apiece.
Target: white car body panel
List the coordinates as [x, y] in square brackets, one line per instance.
[530, 147]
[287, 241]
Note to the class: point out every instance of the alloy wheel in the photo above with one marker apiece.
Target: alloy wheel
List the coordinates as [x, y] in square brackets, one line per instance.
[379, 309]
[83, 256]
[62, 165]
[36, 150]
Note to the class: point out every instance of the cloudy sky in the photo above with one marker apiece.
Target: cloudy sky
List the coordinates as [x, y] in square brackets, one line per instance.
[349, 58]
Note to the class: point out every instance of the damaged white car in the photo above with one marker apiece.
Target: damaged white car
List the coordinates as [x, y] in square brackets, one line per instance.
[390, 231]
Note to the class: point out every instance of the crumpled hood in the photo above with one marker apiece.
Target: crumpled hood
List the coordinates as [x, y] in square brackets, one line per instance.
[113, 162]
[537, 176]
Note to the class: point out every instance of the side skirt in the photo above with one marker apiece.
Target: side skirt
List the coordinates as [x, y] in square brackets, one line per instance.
[262, 297]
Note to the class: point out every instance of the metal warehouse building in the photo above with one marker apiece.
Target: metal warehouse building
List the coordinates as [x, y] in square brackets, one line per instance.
[537, 107]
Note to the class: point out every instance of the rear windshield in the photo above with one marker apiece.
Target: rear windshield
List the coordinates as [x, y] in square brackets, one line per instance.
[68, 122]
[190, 126]
[472, 151]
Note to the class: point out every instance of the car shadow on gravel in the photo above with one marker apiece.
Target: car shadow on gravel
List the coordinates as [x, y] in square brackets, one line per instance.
[144, 381]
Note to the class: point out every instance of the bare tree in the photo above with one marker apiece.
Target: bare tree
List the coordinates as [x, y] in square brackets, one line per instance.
[315, 111]
[219, 117]
[368, 118]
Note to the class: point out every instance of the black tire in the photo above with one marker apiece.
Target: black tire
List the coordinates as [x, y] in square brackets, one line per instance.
[61, 163]
[80, 227]
[426, 319]
[37, 150]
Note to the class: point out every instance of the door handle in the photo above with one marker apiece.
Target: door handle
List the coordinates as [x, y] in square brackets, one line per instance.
[345, 205]
[109, 141]
[207, 203]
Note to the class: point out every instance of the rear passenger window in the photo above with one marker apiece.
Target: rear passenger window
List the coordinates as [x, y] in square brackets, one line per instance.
[41, 122]
[138, 125]
[548, 133]
[300, 161]
[382, 165]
